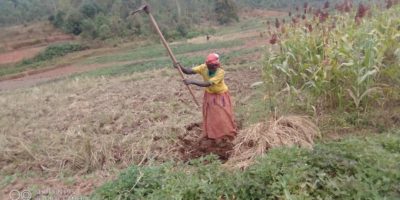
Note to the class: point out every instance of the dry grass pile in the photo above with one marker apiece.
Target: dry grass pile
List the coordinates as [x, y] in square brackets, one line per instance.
[259, 138]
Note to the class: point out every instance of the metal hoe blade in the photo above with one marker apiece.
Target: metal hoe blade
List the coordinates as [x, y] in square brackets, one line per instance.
[144, 7]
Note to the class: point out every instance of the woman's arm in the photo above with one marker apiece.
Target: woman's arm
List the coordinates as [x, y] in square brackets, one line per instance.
[198, 83]
[184, 69]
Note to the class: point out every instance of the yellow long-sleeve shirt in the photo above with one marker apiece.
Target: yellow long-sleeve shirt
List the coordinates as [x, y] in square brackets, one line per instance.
[218, 85]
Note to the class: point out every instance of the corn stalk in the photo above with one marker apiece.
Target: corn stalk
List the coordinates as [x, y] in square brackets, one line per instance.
[343, 68]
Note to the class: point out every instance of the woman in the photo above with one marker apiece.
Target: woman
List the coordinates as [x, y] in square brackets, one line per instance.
[218, 117]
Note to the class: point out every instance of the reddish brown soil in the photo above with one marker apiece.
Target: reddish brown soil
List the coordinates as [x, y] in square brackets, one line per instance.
[18, 55]
[40, 76]
[193, 145]
[20, 49]
[33, 79]
[58, 38]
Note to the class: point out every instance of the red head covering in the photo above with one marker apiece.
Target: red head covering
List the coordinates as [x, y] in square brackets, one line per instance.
[213, 59]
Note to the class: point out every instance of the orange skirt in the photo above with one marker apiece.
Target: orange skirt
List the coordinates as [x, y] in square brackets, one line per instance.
[218, 117]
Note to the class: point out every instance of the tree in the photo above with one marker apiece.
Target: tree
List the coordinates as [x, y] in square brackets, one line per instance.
[90, 9]
[73, 23]
[226, 11]
[58, 19]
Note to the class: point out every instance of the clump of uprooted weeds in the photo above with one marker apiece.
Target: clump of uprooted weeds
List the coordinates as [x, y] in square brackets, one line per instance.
[259, 138]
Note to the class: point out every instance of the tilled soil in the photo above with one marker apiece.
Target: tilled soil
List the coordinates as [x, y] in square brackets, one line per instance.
[193, 145]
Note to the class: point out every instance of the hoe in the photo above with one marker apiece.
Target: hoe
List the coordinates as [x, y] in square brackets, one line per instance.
[146, 9]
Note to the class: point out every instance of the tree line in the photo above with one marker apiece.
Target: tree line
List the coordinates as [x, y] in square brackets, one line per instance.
[102, 19]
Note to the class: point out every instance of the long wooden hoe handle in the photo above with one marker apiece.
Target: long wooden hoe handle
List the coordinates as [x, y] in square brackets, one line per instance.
[153, 21]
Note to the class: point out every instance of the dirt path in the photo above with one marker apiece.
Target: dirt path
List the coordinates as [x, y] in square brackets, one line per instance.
[51, 74]
[18, 55]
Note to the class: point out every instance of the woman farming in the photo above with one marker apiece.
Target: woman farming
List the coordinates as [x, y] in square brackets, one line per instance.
[218, 117]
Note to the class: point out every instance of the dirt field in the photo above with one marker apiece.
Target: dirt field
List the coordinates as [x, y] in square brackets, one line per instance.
[98, 124]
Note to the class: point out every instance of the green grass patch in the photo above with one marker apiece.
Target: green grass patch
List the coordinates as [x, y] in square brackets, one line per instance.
[144, 66]
[232, 56]
[244, 25]
[155, 51]
[161, 62]
[54, 51]
[355, 168]
[254, 109]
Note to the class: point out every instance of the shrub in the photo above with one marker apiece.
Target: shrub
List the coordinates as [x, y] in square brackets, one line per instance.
[73, 23]
[58, 19]
[226, 11]
[182, 30]
[104, 31]
[90, 10]
[89, 29]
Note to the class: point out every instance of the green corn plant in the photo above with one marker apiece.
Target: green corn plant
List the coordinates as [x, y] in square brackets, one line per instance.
[343, 67]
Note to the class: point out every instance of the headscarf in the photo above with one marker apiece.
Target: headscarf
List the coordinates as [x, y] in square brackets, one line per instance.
[213, 59]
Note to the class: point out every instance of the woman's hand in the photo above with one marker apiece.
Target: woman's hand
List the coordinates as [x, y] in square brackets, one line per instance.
[177, 64]
[184, 69]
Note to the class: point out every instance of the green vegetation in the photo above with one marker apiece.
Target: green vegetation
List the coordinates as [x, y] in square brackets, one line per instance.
[154, 57]
[54, 51]
[252, 110]
[107, 19]
[110, 19]
[240, 56]
[143, 66]
[341, 64]
[284, 4]
[355, 168]
[226, 11]
[156, 51]
[50, 53]
[22, 11]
